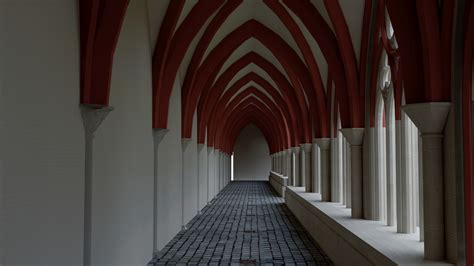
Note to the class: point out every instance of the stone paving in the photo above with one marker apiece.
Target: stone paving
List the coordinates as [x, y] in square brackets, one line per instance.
[246, 224]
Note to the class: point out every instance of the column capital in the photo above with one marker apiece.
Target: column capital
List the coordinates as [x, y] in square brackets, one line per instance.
[210, 150]
[323, 143]
[185, 143]
[354, 136]
[306, 147]
[200, 146]
[92, 117]
[296, 149]
[430, 117]
[159, 134]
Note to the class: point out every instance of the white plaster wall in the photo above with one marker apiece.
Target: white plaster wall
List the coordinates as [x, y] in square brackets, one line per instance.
[251, 155]
[41, 134]
[123, 153]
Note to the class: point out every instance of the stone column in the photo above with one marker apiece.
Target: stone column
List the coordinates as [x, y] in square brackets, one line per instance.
[297, 167]
[355, 137]
[406, 222]
[221, 170]
[283, 163]
[430, 118]
[277, 159]
[288, 163]
[216, 172]
[200, 147]
[348, 177]
[306, 167]
[316, 168]
[391, 156]
[334, 169]
[92, 117]
[325, 172]
[210, 155]
[158, 135]
[184, 145]
[280, 161]
[272, 157]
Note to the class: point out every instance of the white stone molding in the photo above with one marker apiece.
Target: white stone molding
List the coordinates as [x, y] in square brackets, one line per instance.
[355, 137]
[430, 118]
[92, 118]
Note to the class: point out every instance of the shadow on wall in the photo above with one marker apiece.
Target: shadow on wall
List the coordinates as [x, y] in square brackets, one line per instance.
[251, 155]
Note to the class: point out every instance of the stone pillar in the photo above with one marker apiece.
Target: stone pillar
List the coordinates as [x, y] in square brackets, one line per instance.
[288, 163]
[222, 170]
[430, 118]
[158, 135]
[277, 160]
[92, 117]
[406, 222]
[334, 169]
[184, 145]
[200, 147]
[355, 137]
[297, 158]
[390, 140]
[216, 172]
[273, 162]
[325, 170]
[280, 161]
[283, 163]
[316, 168]
[306, 167]
[295, 165]
[210, 190]
[348, 177]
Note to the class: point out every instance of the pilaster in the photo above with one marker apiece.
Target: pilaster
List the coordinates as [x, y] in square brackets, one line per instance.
[355, 137]
[295, 166]
[325, 170]
[430, 118]
[306, 166]
[92, 118]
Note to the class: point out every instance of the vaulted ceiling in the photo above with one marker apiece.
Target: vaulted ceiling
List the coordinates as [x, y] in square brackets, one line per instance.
[243, 57]
[284, 65]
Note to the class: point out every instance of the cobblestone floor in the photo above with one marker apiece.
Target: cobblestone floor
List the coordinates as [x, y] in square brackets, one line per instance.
[246, 224]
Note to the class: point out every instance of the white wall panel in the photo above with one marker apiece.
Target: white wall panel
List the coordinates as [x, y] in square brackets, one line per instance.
[251, 156]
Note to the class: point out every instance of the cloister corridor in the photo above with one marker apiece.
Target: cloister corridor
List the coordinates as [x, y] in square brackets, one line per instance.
[220, 132]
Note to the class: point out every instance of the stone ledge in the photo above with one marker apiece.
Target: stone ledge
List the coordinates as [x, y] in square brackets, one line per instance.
[278, 182]
[350, 241]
